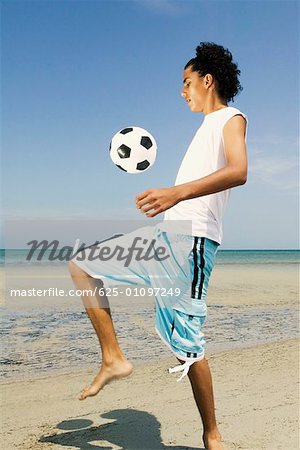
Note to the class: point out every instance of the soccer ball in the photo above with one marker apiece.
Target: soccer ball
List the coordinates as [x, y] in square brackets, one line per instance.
[133, 149]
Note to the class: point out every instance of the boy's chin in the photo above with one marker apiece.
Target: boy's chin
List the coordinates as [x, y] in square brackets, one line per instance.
[194, 109]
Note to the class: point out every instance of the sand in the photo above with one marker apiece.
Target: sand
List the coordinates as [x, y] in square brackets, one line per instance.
[256, 406]
[256, 388]
[230, 285]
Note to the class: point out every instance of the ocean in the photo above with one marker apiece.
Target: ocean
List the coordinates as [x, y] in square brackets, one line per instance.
[18, 257]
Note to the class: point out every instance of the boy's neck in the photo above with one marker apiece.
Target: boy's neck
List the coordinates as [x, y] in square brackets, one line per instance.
[213, 105]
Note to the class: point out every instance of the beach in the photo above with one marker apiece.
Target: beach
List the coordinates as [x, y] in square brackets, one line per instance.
[256, 405]
[252, 350]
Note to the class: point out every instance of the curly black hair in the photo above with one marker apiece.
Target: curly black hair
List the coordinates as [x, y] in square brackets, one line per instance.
[216, 60]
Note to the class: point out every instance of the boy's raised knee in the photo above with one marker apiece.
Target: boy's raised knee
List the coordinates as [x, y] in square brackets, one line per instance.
[75, 270]
[71, 267]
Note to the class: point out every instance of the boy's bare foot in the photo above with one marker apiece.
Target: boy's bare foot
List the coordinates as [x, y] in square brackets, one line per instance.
[107, 373]
[212, 441]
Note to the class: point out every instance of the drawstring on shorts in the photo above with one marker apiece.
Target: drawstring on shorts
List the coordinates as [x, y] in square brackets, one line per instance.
[182, 367]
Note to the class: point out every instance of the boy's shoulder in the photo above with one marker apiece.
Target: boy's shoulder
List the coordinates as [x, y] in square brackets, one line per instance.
[232, 110]
[222, 115]
[227, 114]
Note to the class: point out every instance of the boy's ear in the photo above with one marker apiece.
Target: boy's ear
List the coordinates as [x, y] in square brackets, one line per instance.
[207, 79]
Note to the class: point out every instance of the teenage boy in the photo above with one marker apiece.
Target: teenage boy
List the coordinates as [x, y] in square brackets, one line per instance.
[215, 162]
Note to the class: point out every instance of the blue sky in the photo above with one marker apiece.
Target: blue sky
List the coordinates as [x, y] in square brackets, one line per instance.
[75, 72]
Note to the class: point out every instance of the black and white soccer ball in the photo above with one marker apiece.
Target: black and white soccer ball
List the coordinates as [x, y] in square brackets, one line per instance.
[133, 149]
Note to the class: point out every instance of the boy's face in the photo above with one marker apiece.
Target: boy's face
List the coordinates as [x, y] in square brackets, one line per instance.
[193, 90]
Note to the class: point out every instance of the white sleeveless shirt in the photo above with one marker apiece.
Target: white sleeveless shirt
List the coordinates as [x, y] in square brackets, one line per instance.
[204, 156]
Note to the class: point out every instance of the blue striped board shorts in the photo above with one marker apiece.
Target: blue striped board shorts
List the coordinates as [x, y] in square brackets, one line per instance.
[178, 271]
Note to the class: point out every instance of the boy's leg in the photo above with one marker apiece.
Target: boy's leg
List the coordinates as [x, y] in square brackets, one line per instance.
[114, 363]
[201, 381]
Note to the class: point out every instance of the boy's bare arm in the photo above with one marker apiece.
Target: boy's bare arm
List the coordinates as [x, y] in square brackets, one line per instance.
[235, 171]
[233, 174]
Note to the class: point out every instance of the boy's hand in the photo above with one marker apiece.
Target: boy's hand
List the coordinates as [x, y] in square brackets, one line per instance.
[158, 200]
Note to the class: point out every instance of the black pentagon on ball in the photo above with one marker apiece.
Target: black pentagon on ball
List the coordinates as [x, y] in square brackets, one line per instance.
[142, 165]
[124, 151]
[126, 130]
[121, 168]
[146, 142]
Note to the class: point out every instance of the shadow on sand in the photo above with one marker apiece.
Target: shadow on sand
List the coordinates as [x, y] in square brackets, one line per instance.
[131, 430]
